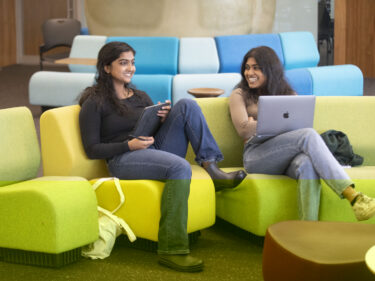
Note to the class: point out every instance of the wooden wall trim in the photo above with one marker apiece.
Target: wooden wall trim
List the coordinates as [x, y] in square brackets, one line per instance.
[355, 34]
[34, 14]
[8, 42]
[340, 32]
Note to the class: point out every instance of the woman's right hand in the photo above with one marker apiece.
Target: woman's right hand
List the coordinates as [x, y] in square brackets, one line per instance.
[140, 143]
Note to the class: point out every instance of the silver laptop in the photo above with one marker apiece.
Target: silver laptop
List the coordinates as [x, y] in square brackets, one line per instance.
[281, 114]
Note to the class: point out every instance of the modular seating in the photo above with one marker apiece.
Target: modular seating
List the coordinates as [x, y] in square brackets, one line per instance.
[262, 200]
[299, 79]
[44, 220]
[194, 62]
[49, 88]
[63, 155]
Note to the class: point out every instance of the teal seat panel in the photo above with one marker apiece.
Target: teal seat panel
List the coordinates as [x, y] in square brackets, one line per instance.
[157, 86]
[154, 55]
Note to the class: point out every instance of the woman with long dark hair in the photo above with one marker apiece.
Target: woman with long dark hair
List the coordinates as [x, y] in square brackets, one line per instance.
[109, 112]
[300, 154]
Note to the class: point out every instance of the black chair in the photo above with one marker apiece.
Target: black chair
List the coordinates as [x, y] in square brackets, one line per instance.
[58, 33]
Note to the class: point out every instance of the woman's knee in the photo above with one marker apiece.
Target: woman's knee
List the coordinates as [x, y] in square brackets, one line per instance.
[302, 167]
[180, 169]
[310, 136]
[186, 103]
[308, 132]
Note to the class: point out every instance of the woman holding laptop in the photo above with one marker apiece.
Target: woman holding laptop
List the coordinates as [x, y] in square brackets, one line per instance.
[300, 154]
[109, 112]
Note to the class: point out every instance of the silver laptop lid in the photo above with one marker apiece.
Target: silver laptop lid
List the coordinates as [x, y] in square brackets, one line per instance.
[280, 114]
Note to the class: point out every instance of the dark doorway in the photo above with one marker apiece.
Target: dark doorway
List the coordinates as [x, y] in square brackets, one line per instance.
[325, 32]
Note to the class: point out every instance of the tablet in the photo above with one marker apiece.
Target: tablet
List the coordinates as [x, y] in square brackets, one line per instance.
[149, 122]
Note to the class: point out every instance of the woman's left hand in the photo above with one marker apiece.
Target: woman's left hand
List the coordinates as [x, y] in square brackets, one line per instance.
[163, 113]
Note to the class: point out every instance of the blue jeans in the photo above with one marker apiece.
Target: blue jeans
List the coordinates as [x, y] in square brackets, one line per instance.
[302, 155]
[165, 161]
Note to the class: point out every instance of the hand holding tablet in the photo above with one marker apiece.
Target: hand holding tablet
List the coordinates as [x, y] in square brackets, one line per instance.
[149, 121]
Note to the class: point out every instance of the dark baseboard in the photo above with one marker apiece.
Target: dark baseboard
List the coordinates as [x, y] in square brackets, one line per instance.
[38, 258]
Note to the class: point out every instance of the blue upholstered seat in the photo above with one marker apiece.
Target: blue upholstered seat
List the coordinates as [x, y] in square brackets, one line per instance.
[232, 48]
[300, 80]
[158, 60]
[154, 55]
[337, 80]
[299, 50]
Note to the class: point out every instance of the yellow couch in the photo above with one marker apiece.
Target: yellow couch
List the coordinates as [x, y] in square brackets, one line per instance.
[63, 154]
[259, 201]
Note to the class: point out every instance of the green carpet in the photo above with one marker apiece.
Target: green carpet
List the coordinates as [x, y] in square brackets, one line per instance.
[229, 253]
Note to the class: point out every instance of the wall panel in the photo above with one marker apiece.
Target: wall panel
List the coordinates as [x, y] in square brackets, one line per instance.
[35, 12]
[8, 49]
[355, 34]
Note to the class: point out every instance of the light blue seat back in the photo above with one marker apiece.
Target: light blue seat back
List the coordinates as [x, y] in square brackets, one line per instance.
[52, 88]
[86, 46]
[157, 86]
[154, 55]
[337, 80]
[299, 49]
[183, 82]
[300, 80]
[198, 55]
[232, 48]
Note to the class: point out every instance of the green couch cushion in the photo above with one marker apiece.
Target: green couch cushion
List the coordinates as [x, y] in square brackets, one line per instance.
[259, 201]
[19, 148]
[48, 214]
[216, 112]
[355, 116]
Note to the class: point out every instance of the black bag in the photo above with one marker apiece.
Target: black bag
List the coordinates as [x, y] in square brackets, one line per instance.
[338, 143]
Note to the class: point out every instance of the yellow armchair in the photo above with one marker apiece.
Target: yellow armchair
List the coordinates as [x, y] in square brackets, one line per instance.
[63, 154]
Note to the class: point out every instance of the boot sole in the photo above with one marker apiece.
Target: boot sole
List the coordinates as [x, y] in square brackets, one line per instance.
[193, 268]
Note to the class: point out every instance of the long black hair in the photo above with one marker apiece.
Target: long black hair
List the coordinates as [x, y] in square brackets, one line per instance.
[273, 71]
[103, 91]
